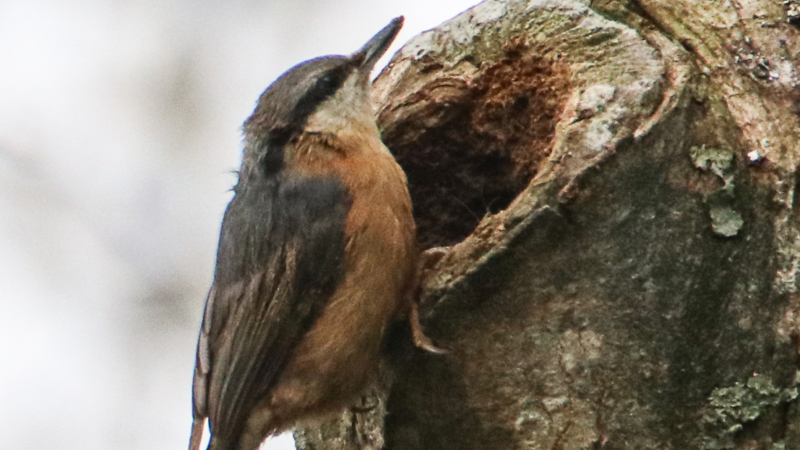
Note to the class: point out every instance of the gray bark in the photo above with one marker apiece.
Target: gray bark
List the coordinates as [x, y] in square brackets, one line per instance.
[616, 184]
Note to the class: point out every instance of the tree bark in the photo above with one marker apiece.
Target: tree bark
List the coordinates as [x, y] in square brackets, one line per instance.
[615, 183]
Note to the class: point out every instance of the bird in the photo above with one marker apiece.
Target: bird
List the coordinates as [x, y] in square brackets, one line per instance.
[317, 257]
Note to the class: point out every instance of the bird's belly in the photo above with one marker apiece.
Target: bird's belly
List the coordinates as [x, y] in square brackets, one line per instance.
[336, 359]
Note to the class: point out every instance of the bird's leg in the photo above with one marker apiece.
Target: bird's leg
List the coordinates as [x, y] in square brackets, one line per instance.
[420, 339]
[428, 259]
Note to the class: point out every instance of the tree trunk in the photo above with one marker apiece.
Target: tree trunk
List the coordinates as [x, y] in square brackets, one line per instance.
[616, 183]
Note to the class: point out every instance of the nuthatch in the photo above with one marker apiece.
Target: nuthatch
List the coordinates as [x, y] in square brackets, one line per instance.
[316, 257]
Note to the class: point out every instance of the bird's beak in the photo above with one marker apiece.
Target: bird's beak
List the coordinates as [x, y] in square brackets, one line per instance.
[372, 51]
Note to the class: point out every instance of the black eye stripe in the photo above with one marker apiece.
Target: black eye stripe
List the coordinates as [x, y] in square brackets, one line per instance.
[326, 85]
[284, 108]
[271, 160]
[327, 82]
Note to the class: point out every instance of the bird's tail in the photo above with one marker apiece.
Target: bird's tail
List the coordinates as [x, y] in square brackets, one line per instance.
[197, 434]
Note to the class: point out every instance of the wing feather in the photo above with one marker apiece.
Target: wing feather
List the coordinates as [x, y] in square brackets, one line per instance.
[280, 257]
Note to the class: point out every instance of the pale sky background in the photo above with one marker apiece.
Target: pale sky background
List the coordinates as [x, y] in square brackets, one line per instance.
[119, 129]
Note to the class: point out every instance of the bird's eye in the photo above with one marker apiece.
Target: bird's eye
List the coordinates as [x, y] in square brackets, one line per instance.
[328, 82]
[324, 85]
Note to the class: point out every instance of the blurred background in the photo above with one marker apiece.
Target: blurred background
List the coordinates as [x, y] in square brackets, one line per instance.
[119, 131]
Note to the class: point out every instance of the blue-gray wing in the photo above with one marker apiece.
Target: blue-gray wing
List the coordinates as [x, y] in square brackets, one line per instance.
[280, 257]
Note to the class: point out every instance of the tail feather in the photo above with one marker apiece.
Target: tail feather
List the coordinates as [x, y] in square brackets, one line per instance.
[197, 434]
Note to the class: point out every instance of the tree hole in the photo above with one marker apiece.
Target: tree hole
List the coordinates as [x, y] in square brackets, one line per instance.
[484, 147]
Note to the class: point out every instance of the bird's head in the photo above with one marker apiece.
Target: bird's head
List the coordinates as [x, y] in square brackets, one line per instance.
[323, 95]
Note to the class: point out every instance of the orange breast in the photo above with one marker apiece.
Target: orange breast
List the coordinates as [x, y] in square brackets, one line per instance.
[333, 362]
